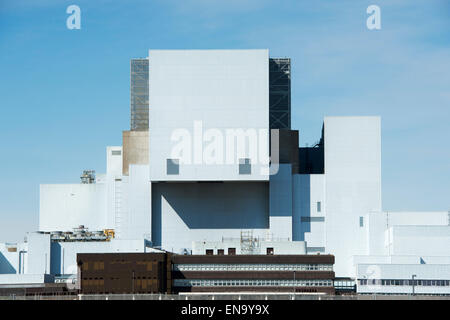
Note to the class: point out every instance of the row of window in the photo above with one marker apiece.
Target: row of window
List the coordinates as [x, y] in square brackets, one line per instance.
[100, 265]
[312, 219]
[344, 283]
[428, 283]
[253, 267]
[251, 283]
[232, 251]
[173, 166]
[96, 265]
[93, 282]
[221, 252]
[315, 249]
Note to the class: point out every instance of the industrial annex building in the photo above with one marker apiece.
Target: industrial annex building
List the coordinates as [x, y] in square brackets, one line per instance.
[163, 272]
[211, 166]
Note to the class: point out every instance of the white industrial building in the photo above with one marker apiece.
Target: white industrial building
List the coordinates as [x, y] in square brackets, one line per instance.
[199, 178]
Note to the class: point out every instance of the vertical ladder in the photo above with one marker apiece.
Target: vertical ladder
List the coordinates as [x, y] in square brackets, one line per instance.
[118, 206]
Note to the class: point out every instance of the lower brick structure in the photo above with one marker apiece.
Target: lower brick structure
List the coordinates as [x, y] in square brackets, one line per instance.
[124, 273]
[170, 273]
[253, 273]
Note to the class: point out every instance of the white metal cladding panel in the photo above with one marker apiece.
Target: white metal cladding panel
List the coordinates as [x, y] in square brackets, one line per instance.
[25, 278]
[425, 218]
[136, 222]
[9, 259]
[378, 222]
[401, 259]
[352, 184]
[308, 190]
[67, 206]
[421, 240]
[403, 289]
[225, 89]
[279, 247]
[64, 258]
[404, 271]
[39, 256]
[280, 186]
[114, 161]
[13, 257]
[187, 212]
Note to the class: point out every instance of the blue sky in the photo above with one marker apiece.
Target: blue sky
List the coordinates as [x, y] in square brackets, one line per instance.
[64, 94]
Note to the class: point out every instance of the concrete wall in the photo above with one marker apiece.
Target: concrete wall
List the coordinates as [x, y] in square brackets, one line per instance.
[135, 149]
[66, 206]
[186, 212]
[224, 89]
[352, 184]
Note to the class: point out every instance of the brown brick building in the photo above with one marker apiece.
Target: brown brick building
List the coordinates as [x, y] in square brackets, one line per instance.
[169, 273]
[124, 272]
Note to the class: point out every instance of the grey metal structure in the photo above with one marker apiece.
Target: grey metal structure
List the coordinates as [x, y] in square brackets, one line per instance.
[139, 94]
[280, 93]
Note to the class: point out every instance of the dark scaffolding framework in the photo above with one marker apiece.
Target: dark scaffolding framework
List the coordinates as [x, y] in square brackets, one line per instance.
[280, 93]
[139, 94]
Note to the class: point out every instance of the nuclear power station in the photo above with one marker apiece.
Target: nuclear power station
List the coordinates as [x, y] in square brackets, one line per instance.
[210, 191]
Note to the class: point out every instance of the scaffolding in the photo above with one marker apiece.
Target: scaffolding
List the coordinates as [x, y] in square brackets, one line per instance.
[87, 177]
[249, 244]
[139, 94]
[280, 93]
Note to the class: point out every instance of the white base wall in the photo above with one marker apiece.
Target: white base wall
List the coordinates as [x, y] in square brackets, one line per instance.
[21, 279]
[434, 278]
[187, 212]
[279, 247]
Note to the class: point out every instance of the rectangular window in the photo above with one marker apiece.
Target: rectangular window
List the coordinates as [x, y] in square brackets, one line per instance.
[173, 167]
[315, 249]
[319, 206]
[220, 252]
[270, 251]
[116, 152]
[232, 251]
[245, 166]
[209, 252]
[361, 221]
[312, 219]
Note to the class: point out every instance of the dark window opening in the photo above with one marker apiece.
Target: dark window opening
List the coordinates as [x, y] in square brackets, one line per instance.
[173, 167]
[245, 166]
